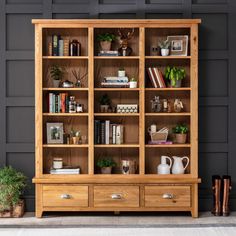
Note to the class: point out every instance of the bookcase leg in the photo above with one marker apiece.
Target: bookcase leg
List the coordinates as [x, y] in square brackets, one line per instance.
[116, 213]
[38, 201]
[194, 211]
[38, 213]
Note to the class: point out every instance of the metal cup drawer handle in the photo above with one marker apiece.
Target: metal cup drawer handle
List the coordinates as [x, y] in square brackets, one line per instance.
[65, 196]
[116, 196]
[167, 196]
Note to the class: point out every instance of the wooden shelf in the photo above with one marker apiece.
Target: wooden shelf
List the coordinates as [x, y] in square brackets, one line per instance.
[169, 114]
[117, 89]
[65, 145]
[116, 114]
[168, 89]
[65, 89]
[117, 145]
[65, 114]
[117, 57]
[66, 57]
[168, 145]
[167, 57]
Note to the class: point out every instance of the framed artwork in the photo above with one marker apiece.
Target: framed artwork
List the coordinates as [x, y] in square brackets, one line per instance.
[54, 133]
[178, 45]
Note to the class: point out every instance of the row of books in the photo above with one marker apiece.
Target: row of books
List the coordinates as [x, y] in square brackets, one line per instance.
[60, 47]
[156, 77]
[115, 82]
[108, 53]
[65, 171]
[58, 102]
[106, 132]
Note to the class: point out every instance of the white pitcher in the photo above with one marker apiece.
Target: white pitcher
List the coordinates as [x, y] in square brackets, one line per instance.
[164, 168]
[178, 167]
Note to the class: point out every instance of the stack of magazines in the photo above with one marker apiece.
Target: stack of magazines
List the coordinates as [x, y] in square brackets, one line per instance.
[115, 82]
[108, 53]
[66, 171]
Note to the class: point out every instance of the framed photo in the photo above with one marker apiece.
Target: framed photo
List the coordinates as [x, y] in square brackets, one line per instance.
[54, 133]
[178, 45]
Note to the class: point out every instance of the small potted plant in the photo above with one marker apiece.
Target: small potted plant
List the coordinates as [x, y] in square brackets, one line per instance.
[75, 136]
[133, 83]
[105, 103]
[106, 165]
[56, 73]
[105, 41]
[180, 132]
[121, 72]
[165, 48]
[12, 185]
[174, 76]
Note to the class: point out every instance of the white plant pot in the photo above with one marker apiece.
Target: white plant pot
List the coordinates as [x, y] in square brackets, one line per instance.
[165, 52]
[121, 73]
[56, 83]
[133, 84]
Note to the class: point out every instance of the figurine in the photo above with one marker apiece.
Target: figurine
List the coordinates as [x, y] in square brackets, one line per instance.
[156, 105]
[124, 49]
[178, 105]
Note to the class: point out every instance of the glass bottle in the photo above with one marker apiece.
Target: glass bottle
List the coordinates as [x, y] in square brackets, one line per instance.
[72, 104]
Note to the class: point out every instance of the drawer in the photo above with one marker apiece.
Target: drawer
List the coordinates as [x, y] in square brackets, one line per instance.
[116, 196]
[167, 196]
[65, 195]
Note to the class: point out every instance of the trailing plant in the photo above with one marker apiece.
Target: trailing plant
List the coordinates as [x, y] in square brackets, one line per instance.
[106, 162]
[174, 74]
[56, 72]
[164, 44]
[12, 185]
[105, 100]
[180, 129]
[106, 37]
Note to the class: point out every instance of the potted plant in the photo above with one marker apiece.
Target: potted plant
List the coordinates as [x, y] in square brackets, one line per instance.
[106, 165]
[75, 136]
[105, 41]
[165, 48]
[12, 185]
[180, 132]
[121, 72]
[105, 102]
[56, 73]
[174, 76]
[133, 83]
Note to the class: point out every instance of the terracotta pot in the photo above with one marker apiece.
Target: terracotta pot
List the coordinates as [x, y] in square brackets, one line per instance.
[104, 108]
[75, 140]
[105, 45]
[181, 138]
[106, 170]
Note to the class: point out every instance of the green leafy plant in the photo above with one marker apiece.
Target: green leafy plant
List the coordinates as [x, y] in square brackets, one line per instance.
[133, 79]
[164, 44]
[12, 185]
[174, 74]
[75, 133]
[106, 162]
[121, 69]
[106, 37]
[105, 100]
[180, 129]
[56, 72]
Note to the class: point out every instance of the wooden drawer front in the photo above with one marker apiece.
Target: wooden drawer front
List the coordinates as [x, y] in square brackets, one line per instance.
[116, 196]
[65, 196]
[167, 196]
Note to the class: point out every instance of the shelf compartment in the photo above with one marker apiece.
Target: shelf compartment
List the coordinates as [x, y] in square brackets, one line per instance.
[169, 89]
[116, 114]
[65, 114]
[65, 57]
[187, 145]
[125, 145]
[167, 57]
[65, 145]
[71, 157]
[117, 57]
[117, 154]
[65, 89]
[168, 114]
[117, 89]
[153, 158]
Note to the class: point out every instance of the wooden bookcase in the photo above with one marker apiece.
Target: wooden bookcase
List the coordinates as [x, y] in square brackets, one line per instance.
[91, 191]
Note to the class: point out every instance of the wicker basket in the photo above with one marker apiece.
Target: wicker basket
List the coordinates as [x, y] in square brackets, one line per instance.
[159, 136]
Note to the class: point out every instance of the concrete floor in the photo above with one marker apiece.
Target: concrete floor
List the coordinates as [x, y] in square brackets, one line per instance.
[157, 220]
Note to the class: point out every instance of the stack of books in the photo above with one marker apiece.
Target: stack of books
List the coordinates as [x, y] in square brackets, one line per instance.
[156, 77]
[60, 47]
[108, 53]
[67, 170]
[58, 102]
[115, 82]
[107, 133]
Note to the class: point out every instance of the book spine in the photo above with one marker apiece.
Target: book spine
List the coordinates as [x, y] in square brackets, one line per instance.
[50, 102]
[161, 77]
[99, 132]
[55, 45]
[66, 47]
[107, 130]
[103, 132]
[67, 103]
[156, 77]
[61, 47]
[110, 133]
[53, 103]
[56, 103]
[149, 70]
[119, 134]
[113, 134]
[95, 131]
[59, 103]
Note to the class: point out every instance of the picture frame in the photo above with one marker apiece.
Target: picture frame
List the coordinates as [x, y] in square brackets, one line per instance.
[178, 45]
[55, 133]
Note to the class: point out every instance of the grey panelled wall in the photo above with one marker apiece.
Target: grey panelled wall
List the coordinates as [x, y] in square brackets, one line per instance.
[217, 69]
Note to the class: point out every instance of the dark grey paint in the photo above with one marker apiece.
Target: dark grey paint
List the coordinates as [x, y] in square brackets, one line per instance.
[217, 60]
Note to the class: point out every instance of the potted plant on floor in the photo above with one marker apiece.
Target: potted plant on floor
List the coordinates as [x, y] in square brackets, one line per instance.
[174, 76]
[56, 73]
[180, 132]
[105, 41]
[165, 48]
[12, 185]
[105, 102]
[106, 165]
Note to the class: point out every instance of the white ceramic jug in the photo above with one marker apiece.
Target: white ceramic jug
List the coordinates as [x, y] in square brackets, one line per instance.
[164, 168]
[178, 167]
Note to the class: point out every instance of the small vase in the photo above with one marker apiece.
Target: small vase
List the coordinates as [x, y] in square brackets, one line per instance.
[133, 84]
[104, 108]
[75, 140]
[181, 138]
[56, 83]
[165, 52]
[121, 73]
[178, 84]
[105, 45]
[106, 170]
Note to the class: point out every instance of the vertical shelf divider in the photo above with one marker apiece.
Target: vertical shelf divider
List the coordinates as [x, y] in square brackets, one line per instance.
[91, 100]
